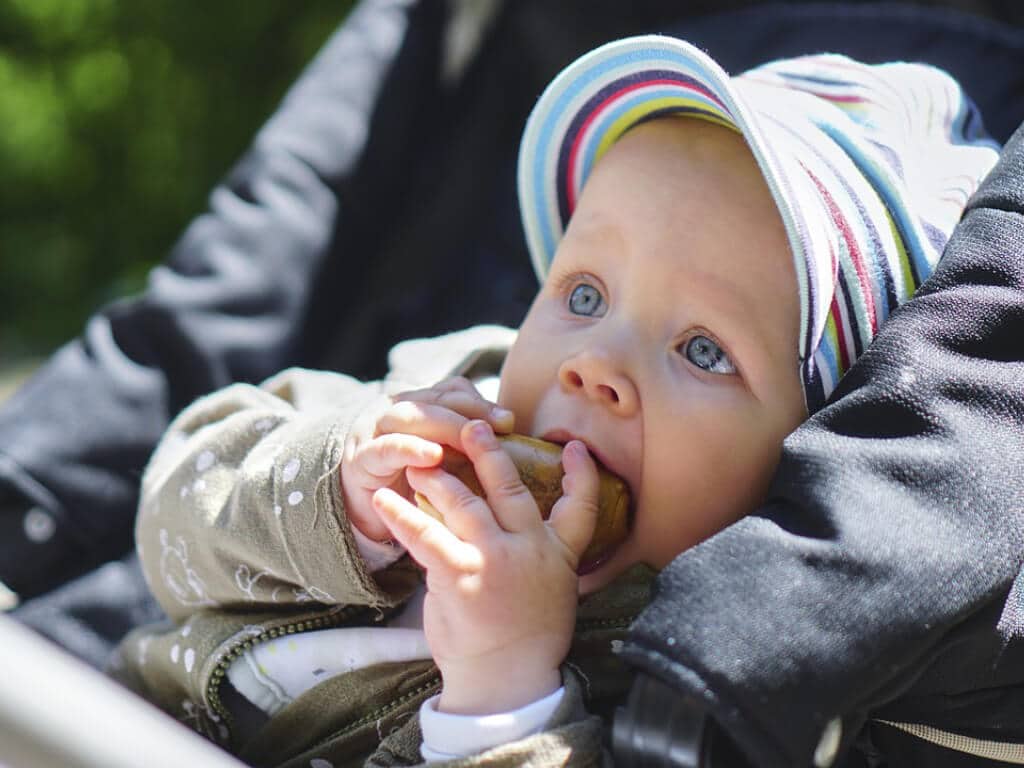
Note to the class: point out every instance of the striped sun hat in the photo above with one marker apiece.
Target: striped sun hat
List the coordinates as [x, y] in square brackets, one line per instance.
[870, 167]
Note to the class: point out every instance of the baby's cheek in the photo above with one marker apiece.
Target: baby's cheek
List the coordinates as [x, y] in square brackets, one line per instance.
[513, 400]
[514, 377]
[696, 499]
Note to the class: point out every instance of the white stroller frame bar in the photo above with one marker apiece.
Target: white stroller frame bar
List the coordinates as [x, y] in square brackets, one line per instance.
[57, 712]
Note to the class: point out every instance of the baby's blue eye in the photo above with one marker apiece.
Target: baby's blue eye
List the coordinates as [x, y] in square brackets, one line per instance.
[585, 299]
[706, 354]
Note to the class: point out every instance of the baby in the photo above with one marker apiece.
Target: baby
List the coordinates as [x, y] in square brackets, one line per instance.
[715, 252]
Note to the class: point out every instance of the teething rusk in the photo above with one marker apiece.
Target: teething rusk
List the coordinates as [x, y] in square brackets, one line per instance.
[540, 467]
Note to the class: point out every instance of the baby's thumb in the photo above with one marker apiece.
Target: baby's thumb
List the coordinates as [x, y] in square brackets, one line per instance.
[574, 516]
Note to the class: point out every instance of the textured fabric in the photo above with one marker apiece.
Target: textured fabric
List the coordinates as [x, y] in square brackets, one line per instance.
[88, 616]
[870, 167]
[876, 580]
[240, 505]
[446, 736]
[571, 740]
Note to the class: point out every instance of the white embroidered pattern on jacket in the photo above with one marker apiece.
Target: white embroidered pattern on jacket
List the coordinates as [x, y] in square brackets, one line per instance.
[312, 594]
[245, 580]
[179, 578]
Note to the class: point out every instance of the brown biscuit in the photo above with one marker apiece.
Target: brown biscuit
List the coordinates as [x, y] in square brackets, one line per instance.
[540, 467]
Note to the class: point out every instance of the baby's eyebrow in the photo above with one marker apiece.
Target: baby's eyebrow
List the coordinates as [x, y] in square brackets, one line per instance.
[724, 290]
[596, 231]
[730, 314]
[593, 247]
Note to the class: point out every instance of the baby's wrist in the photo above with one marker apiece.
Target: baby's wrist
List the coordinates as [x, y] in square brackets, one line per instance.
[476, 692]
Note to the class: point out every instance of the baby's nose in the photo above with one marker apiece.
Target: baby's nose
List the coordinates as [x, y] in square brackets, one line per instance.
[597, 378]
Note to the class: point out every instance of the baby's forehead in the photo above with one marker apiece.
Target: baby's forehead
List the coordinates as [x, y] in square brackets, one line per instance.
[679, 207]
[685, 175]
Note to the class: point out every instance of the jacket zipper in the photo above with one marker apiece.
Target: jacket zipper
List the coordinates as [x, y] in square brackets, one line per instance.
[236, 650]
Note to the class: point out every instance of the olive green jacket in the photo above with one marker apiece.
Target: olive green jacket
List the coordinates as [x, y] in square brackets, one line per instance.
[243, 537]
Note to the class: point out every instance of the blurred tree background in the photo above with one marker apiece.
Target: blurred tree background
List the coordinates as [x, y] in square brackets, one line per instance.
[116, 119]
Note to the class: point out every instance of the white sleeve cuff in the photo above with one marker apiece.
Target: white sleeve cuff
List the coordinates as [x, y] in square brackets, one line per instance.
[448, 736]
[376, 554]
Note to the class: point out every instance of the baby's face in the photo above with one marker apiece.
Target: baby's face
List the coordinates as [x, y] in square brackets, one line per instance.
[665, 336]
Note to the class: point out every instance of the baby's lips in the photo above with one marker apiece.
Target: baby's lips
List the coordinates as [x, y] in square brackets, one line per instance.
[540, 466]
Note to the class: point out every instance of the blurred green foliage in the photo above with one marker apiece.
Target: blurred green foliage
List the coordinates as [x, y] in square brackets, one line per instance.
[116, 119]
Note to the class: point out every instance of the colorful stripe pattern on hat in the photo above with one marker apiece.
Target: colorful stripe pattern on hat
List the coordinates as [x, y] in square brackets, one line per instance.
[623, 103]
[870, 167]
[897, 151]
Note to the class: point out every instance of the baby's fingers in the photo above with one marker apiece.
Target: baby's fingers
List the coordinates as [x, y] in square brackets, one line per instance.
[389, 454]
[463, 512]
[574, 516]
[459, 395]
[426, 420]
[428, 541]
[514, 507]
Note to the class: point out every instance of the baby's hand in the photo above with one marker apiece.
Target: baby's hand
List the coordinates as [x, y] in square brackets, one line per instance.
[501, 582]
[409, 433]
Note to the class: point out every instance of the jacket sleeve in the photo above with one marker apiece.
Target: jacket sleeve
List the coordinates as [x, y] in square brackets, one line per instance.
[877, 578]
[241, 504]
[228, 305]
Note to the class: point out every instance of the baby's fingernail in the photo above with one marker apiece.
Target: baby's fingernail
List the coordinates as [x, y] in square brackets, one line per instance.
[501, 414]
[576, 448]
[481, 432]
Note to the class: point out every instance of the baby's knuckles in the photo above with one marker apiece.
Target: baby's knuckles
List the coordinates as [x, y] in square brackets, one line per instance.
[402, 414]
